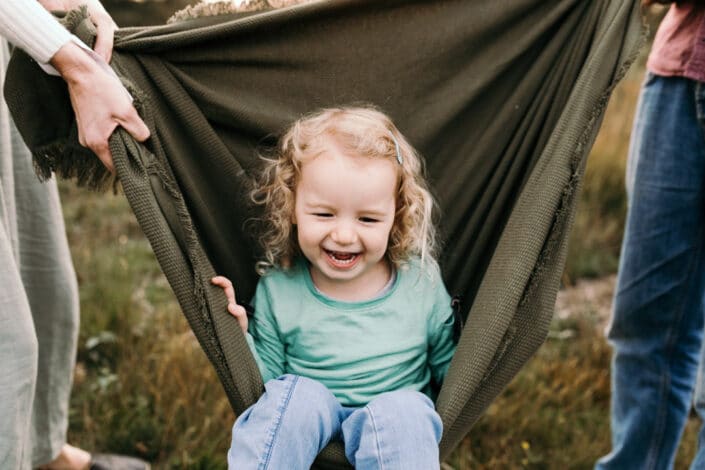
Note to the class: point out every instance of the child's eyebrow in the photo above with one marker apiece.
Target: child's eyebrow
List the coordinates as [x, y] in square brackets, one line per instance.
[317, 205]
[376, 212]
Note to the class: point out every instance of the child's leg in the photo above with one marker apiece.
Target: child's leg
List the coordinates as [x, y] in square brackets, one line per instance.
[287, 428]
[398, 430]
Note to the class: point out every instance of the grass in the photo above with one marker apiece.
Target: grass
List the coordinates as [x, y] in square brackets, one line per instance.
[555, 414]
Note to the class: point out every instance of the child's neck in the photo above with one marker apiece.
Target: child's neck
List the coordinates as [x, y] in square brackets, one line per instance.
[360, 289]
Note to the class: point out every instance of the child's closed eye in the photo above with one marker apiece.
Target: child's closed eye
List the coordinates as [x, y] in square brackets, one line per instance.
[369, 220]
[323, 214]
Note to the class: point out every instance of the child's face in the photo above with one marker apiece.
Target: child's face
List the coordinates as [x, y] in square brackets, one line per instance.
[344, 212]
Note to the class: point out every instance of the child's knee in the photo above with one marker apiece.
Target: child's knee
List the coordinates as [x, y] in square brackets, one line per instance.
[293, 404]
[299, 390]
[305, 401]
[400, 428]
[312, 389]
[403, 400]
[413, 409]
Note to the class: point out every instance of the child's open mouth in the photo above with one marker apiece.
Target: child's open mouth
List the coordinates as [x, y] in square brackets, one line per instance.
[341, 259]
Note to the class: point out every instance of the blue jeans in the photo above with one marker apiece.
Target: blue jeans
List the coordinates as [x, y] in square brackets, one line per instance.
[297, 417]
[657, 324]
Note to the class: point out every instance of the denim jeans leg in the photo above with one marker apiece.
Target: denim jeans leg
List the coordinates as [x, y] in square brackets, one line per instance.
[699, 398]
[398, 430]
[657, 324]
[287, 427]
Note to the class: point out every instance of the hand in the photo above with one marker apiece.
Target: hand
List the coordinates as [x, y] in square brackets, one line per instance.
[238, 311]
[104, 24]
[99, 101]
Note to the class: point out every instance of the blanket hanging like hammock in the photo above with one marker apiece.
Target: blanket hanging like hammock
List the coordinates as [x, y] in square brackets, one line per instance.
[503, 99]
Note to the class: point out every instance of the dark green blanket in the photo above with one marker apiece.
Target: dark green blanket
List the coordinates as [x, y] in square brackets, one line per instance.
[502, 98]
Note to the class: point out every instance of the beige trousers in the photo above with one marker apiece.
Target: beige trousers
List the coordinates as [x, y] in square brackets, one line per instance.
[38, 307]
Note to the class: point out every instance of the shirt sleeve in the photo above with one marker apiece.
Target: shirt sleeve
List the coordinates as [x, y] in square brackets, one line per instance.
[27, 25]
[441, 322]
[263, 336]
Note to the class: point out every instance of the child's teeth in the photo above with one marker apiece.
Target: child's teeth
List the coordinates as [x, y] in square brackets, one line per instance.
[342, 257]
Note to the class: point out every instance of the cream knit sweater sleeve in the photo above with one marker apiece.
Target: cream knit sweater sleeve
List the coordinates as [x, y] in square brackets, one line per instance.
[27, 25]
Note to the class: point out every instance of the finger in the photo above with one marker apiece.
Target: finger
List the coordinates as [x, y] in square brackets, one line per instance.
[105, 33]
[81, 137]
[237, 310]
[101, 149]
[227, 287]
[230, 294]
[218, 280]
[240, 314]
[242, 321]
[99, 144]
[105, 157]
[52, 5]
[221, 281]
[134, 124]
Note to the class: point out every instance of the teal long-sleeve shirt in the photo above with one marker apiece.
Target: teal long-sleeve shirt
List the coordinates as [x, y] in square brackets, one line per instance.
[358, 350]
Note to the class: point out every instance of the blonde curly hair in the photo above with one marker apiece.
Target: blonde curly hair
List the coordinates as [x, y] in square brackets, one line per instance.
[363, 132]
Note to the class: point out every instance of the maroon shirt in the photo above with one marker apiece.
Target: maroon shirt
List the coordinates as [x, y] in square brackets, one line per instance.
[679, 45]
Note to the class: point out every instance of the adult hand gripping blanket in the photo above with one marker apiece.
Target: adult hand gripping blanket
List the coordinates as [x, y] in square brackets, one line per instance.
[503, 99]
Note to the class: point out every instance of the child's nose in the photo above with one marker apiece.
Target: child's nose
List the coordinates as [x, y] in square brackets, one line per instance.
[343, 234]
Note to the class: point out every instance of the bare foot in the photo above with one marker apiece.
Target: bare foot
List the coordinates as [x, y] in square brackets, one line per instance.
[69, 458]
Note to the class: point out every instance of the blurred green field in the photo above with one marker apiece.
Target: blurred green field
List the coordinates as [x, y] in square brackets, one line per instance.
[144, 387]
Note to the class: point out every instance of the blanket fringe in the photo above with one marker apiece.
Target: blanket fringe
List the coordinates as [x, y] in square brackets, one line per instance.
[72, 162]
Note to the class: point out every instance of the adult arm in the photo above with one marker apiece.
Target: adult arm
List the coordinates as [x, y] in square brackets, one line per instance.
[99, 100]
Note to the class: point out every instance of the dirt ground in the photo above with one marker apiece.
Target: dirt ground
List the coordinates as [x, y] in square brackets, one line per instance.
[591, 297]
